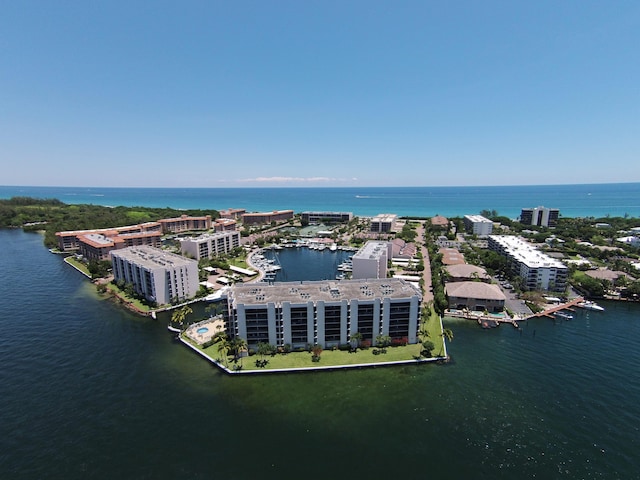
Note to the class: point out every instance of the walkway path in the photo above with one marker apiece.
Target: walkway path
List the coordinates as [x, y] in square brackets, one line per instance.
[562, 306]
[426, 273]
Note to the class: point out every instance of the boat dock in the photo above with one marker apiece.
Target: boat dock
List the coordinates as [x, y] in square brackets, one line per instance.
[549, 312]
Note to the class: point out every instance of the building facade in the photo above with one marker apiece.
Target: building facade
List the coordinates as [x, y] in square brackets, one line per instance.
[371, 260]
[478, 225]
[266, 217]
[158, 276]
[383, 223]
[475, 296]
[325, 313]
[69, 241]
[544, 217]
[232, 213]
[225, 225]
[537, 270]
[326, 217]
[210, 245]
[96, 246]
[185, 223]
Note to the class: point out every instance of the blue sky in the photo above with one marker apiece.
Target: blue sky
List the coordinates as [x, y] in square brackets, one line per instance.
[319, 93]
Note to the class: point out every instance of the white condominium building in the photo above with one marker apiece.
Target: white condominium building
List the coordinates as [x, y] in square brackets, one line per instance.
[210, 245]
[384, 222]
[371, 260]
[538, 270]
[325, 313]
[545, 217]
[478, 225]
[159, 276]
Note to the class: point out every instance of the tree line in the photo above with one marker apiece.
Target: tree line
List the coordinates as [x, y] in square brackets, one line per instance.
[52, 215]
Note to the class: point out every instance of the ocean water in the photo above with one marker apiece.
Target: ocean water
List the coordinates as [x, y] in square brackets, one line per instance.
[572, 200]
[89, 390]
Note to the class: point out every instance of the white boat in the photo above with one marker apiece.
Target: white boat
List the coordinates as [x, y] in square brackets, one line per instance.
[333, 247]
[588, 305]
[345, 267]
[564, 315]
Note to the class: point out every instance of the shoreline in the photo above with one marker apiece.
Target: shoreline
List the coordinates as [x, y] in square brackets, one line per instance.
[245, 371]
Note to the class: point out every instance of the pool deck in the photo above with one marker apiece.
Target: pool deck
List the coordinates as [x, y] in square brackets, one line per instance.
[214, 325]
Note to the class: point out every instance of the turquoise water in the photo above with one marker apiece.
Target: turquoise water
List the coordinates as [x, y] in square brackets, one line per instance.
[91, 391]
[572, 200]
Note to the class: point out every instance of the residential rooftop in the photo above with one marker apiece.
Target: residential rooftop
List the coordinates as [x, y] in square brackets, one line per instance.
[328, 291]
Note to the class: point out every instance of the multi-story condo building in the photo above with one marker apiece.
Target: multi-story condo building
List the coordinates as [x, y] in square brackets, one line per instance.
[371, 260]
[537, 270]
[96, 246]
[545, 217]
[159, 276]
[225, 225]
[232, 213]
[185, 223]
[210, 245]
[383, 223]
[478, 225]
[266, 217]
[326, 217]
[69, 240]
[325, 313]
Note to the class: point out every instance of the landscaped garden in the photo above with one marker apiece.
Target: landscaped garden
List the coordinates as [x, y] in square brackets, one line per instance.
[431, 345]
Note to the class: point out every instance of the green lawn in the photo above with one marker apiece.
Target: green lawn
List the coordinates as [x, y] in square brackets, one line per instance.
[333, 358]
[328, 358]
[78, 264]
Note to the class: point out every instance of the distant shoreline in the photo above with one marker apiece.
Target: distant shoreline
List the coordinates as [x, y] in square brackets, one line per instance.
[573, 200]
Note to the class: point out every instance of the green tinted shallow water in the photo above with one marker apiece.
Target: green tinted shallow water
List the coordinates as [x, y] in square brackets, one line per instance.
[90, 391]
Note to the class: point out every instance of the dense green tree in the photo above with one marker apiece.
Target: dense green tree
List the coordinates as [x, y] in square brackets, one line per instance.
[180, 315]
[54, 216]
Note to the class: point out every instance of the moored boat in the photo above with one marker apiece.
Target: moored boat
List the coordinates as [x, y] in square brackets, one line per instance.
[589, 305]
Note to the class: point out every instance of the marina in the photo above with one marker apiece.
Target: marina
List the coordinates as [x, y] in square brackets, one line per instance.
[305, 262]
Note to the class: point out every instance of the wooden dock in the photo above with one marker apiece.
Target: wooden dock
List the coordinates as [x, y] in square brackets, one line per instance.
[562, 306]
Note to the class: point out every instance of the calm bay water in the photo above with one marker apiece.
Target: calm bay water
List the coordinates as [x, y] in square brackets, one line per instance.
[572, 200]
[91, 391]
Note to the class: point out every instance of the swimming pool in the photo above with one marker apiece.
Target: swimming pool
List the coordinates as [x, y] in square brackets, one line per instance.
[202, 330]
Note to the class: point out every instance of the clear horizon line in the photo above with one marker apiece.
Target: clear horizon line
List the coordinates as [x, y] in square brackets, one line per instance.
[324, 186]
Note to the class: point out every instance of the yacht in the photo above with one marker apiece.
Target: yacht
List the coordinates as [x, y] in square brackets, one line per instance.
[589, 305]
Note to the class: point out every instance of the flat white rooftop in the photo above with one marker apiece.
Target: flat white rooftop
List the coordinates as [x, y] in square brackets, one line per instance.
[152, 257]
[477, 219]
[372, 249]
[328, 291]
[526, 253]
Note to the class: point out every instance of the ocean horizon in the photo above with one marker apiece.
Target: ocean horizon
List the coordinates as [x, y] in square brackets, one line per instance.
[574, 200]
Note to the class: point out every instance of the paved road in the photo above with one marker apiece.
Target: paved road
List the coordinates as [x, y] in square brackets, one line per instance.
[426, 274]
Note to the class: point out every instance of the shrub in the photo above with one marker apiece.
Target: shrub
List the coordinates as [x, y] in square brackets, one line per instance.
[399, 342]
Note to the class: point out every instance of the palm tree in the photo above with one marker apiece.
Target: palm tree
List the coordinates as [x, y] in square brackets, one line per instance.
[224, 345]
[447, 333]
[238, 344]
[180, 315]
[354, 339]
